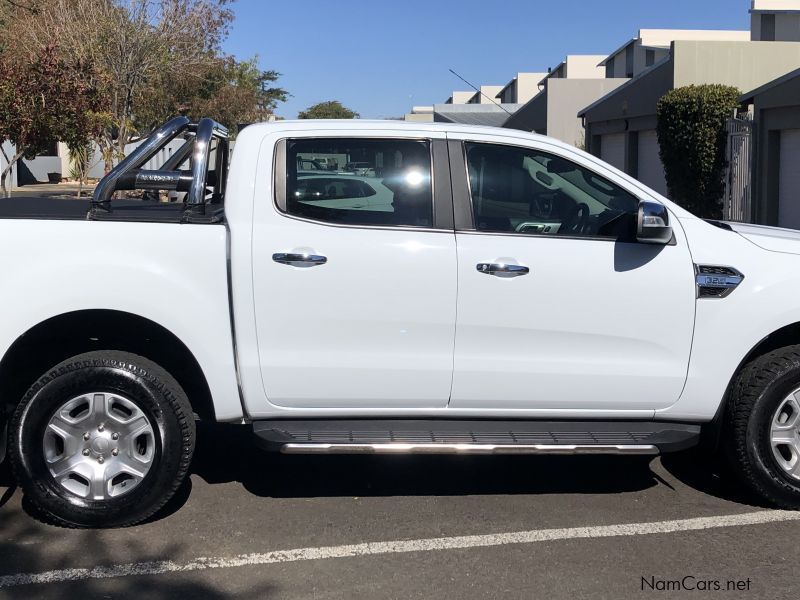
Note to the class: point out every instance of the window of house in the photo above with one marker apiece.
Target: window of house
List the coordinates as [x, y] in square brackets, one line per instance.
[360, 181]
[610, 69]
[649, 58]
[767, 28]
[527, 191]
[629, 61]
[51, 149]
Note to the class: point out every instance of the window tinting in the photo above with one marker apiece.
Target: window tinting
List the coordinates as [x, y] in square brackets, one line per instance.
[525, 191]
[360, 181]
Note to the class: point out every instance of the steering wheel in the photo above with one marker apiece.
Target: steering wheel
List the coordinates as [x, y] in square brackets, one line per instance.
[579, 221]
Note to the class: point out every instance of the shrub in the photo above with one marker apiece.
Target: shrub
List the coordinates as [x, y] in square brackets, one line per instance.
[692, 138]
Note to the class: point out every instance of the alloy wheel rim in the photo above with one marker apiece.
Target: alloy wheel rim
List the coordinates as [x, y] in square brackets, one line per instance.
[785, 434]
[99, 445]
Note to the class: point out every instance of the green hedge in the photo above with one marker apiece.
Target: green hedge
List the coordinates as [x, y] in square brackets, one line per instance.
[692, 138]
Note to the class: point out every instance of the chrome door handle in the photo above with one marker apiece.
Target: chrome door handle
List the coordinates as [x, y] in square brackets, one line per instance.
[502, 270]
[299, 260]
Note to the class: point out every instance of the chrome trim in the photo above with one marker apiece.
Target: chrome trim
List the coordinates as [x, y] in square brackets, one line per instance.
[371, 227]
[165, 178]
[726, 283]
[144, 152]
[502, 270]
[652, 223]
[401, 448]
[547, 236]
[207, 129]
[299, 260]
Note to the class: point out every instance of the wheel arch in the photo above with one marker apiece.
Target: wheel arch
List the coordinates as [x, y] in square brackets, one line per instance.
[787, 335]
[59, 337]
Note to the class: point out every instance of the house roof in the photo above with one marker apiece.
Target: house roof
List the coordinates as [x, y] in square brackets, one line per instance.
[775, 6]
[632, 81]
[603, 62]
[749, 96]
[508, 85]
[493, 115]
[542, 77]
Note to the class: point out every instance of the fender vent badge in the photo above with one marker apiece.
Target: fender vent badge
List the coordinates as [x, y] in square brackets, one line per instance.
[715, 281]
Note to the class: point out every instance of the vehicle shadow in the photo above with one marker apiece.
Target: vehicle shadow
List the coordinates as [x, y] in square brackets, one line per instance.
[29, 547]
[705, 472]
[228, 453]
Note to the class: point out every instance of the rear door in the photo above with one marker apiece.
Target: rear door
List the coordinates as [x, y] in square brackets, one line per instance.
[558, 308]
[355, 273]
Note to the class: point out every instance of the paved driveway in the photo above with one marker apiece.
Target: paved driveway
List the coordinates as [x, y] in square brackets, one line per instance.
[270, 526]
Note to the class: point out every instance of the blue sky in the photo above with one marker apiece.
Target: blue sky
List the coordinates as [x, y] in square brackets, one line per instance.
[381, 57]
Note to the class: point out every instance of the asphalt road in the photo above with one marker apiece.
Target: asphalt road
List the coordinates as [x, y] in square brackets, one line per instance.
[242, 505]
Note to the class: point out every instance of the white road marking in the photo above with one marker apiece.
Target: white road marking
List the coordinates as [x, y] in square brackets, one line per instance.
[401, 546]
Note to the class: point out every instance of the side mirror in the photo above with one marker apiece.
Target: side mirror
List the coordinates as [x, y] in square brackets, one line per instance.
[652, 224]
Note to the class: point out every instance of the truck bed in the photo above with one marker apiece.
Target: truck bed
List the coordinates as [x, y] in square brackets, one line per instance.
[49, 208]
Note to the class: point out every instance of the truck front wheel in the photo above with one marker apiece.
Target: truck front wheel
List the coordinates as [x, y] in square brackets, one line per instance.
[103, 439]
[762, 427]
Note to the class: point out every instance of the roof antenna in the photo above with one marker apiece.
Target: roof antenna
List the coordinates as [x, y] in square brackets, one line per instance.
[480, 92]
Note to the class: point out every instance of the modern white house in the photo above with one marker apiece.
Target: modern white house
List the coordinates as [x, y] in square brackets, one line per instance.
[460, 97]
[578, 66]
[652, 45]
[486, 94]
[521, 88]
[29, 171]
[576, 81]
[775, 20]
[776, 175]
[420, 114]
[775, 107]
[621, 126]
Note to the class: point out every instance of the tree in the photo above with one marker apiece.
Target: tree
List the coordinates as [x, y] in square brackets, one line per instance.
[332, 109]
[692, 138]
[154, 58]
[41, 102]
[231, 92]
[137, 45]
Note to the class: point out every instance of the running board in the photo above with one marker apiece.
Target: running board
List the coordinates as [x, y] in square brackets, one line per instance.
[393, 436]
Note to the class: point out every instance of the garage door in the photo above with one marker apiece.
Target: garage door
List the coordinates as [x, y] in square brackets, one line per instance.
[612, 149]
[651, 172]
[789, 180]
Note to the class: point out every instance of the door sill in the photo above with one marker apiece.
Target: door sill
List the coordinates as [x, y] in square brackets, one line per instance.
[452, 436]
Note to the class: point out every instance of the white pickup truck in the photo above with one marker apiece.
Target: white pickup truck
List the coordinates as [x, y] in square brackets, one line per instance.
[354, 286]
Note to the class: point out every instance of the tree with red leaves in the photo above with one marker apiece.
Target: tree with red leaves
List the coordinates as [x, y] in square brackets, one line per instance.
[44, 99]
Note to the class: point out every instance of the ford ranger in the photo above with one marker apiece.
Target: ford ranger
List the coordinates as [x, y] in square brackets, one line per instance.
[463, 290]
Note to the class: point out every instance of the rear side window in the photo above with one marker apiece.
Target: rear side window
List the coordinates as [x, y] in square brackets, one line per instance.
[360, 181]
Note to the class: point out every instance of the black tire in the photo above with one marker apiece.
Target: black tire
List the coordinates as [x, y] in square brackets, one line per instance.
[152, 389]
[754, 398]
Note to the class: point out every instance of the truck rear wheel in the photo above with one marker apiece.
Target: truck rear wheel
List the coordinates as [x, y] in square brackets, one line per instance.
[762, 427]
[104, 439]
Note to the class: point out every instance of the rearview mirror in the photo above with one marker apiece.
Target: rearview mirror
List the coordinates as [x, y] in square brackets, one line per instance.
[652, 224]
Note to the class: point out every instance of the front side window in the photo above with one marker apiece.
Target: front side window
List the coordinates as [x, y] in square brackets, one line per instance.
[527, 191]
[360, 181]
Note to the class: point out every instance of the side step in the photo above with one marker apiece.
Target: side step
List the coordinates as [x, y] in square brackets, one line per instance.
[393, 436]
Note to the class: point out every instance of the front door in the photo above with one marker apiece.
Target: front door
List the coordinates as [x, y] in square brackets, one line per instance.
[558, 308]
[354, 280]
